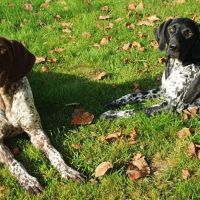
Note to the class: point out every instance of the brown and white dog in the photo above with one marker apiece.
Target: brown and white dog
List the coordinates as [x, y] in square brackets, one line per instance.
[18, 114]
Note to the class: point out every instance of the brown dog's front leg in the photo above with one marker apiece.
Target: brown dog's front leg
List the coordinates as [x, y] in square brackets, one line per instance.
[41, 142]
[27, 181]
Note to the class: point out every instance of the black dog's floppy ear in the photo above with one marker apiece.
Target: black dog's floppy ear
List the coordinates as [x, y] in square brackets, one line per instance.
[161, 35]
[196, 47]
[23, 61]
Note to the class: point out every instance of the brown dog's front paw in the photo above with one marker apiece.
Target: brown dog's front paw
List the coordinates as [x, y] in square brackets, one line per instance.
[72, 174]
[31, 184]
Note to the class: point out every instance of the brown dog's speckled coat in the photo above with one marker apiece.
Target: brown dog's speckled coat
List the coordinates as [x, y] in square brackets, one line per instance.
[18, 114]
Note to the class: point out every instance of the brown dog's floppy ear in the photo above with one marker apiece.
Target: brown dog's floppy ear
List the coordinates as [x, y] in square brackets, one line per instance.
[161, 34]
[23, 61]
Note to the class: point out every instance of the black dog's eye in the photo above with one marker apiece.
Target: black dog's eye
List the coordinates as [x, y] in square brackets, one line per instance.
[187, 33]
[172, 29]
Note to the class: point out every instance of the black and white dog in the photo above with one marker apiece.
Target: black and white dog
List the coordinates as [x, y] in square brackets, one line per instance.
[180, 86]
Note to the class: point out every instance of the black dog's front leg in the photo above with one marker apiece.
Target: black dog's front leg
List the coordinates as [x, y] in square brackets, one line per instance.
[134, 97]
[156, 108]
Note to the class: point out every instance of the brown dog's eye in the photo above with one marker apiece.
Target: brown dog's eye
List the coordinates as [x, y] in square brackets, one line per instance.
[172, 29]
[187, 33]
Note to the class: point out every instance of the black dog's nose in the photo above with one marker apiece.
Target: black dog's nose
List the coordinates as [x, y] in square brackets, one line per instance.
[173, 47]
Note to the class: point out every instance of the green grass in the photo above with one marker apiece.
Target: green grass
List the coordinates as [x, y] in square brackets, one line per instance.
[70, 80]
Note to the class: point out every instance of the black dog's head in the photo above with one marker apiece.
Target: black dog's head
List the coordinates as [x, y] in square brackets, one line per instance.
[182, 37]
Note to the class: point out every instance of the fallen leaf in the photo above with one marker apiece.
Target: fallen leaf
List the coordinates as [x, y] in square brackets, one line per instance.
[45, 69]
[105, 9]
[139, 7]
[96, 45]
[102, 168]
[184, 117]
[145, 23]
[105, 40]
[86, 35]
[141, 35]
[2, 191]
[127, 46]
[133, 136]
[28, 7]
[66, 30]
[109, 26]
[40, 60]
[68, 25]
[52, 60]
[185, 174]
[154, 45]
[77, 146]
[162, 60]
[184, 132]
[81, 117]
[153, 18]
[190, 112]
[119, 19]
[138, 167]
[113, 136]
[130, 26]
[180, 1]
[138, 46]
[45, 5]
[131, 6]
[57, 17]
[192, 150]
[100, 75]
[136, 87]
[56, 50]
[105, 17]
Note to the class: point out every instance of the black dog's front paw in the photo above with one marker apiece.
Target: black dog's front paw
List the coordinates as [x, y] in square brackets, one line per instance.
[149, 111]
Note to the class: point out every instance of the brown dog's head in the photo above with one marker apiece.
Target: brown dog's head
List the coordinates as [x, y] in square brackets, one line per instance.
[15, 61]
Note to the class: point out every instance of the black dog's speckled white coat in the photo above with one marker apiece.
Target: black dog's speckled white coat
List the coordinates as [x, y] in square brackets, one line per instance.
[180, 86]
[18, 114]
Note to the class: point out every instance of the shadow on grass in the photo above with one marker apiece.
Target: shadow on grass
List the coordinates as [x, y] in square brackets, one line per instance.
[53, 91]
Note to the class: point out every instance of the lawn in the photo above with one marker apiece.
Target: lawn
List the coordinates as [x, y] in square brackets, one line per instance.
[67, 76]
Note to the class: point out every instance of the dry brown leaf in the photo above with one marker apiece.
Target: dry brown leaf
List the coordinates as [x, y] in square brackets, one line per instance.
[96, 45]
[45, 5]
[77, 146]
[45, 69]
[52, 60]
[109, 26]
[162, 60]
[145, 23]
[138, 46]
[154, 45]
[113, 136]
[105, 9]
[139, 7]
[119, 19]
[153, 18]
[185, 174]
[127, 46]
[131, 6]
[192, 150]
[104, 17]
[66, 30]
[136, 87]
[81, 117]
[86, 35]
[57, 17]
[100, 75]
[68, 25]
[180, 1]
[184, 132]
[105, 40]
[2, 191]
[28, 7]
[102, 168]
[40, 60]
[56, 50]
[138, 167]
[130, 25]
[184, 117]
